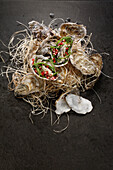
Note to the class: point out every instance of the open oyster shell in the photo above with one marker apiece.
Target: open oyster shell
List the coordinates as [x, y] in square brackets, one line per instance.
[61, 105]
[73, 29]
[97, 60]
[71, 101]
[39, 30]
[82, 62]
[79, 104]
[27, 84]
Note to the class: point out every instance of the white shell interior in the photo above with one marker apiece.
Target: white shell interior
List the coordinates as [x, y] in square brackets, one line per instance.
[79, 104]
[76, 103]
[61, 106]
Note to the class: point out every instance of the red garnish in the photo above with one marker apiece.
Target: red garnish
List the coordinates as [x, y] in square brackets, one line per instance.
[47, 66]
[42, 73]
[61, 43]
[46, 72]
[66, 53]
[35, 70]
[67, 48]
[33, 61]
[54, 60]
[55, 51]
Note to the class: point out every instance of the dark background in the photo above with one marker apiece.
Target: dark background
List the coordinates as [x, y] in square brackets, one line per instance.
[88, 142]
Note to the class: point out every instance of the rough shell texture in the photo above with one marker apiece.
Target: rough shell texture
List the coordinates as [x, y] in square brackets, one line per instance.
[69, 76]
[78, 31]
[39, 30]
[62, 73]
[97, 60]
[28, 84]
[82, 62]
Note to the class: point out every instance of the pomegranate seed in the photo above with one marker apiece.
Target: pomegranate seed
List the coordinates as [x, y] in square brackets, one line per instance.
[54, 60]
[66, 53]
[42, 73]
[46, 72]
[61, 43]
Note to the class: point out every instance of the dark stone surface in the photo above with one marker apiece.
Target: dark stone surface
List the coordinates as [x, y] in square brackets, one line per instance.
[88, 142]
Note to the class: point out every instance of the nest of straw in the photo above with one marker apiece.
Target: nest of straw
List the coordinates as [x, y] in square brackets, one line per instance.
[21, 47]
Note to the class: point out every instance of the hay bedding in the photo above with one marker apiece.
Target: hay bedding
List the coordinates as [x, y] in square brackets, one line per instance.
[53, 64]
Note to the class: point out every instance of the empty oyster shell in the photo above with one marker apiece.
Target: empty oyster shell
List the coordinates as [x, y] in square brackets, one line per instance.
[71, 101]
[82, 62]
[73, 29]
[39, 30]
[79, 104]
[28, 84]
[61, 105]
[97, 60]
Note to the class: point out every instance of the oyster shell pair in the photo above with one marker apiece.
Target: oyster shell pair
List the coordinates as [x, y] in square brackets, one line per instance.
[71, 101]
